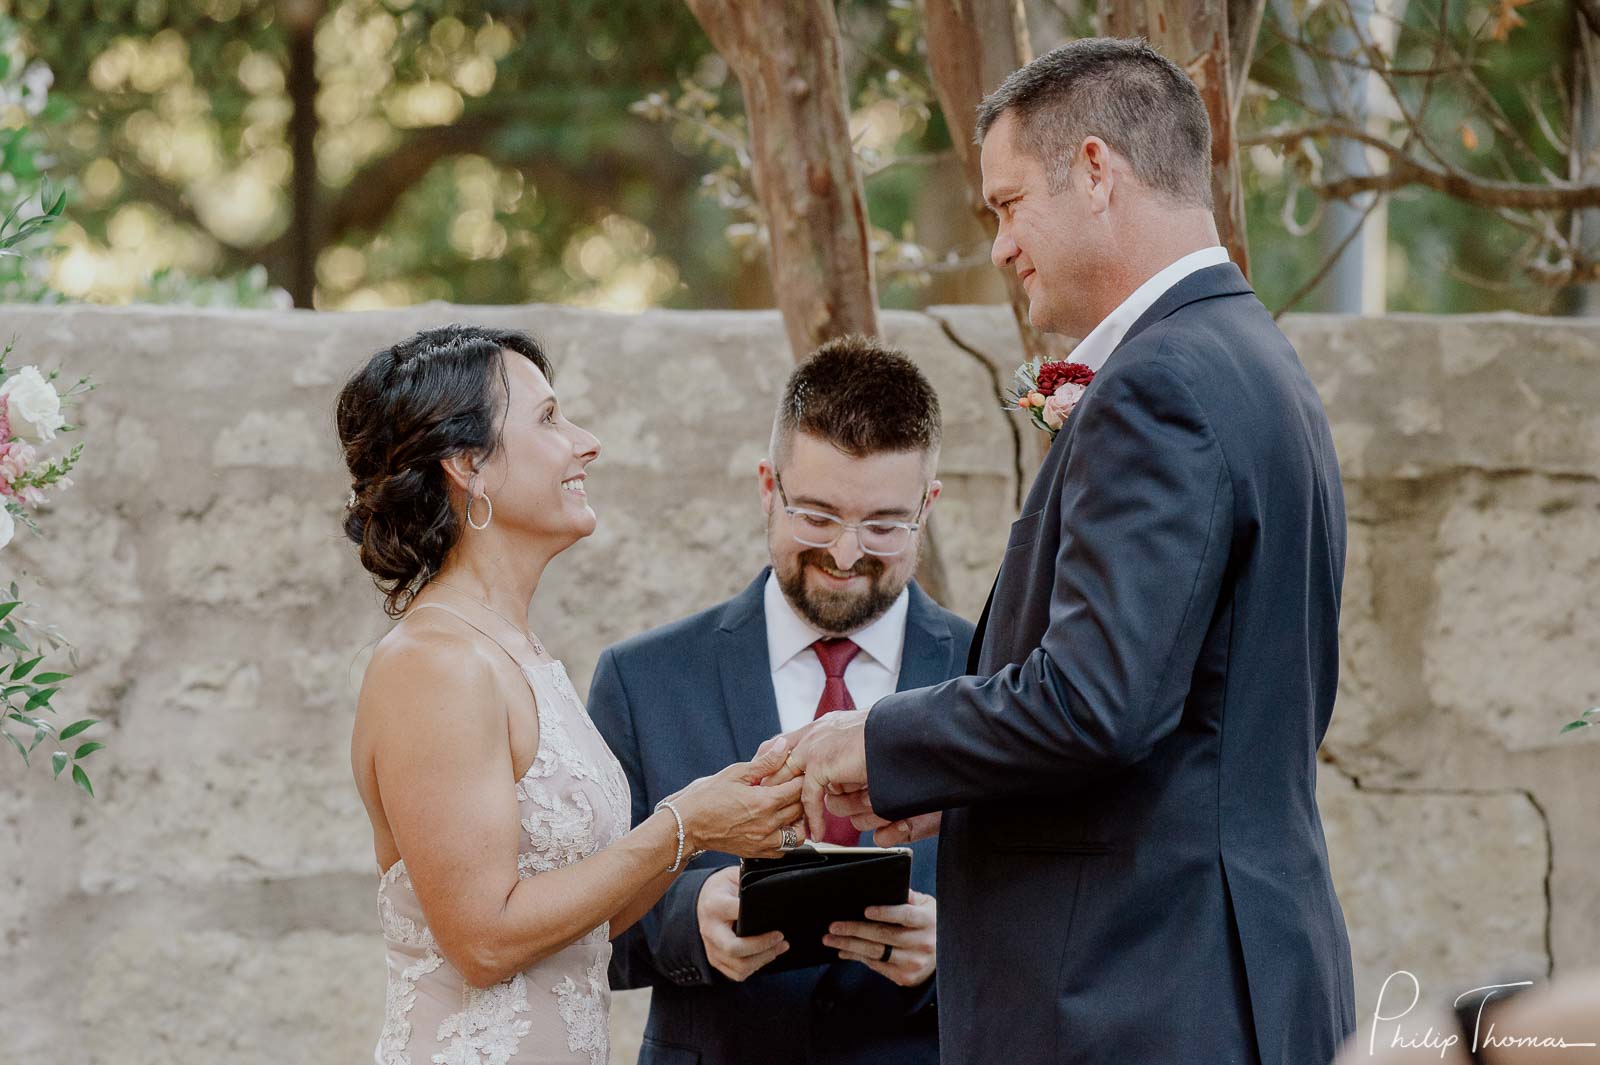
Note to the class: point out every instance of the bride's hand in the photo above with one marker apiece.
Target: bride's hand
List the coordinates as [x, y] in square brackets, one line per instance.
[729, 811]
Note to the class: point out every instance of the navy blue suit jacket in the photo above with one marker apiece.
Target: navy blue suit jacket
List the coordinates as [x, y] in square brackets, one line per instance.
[1132, 865]
[686, 700]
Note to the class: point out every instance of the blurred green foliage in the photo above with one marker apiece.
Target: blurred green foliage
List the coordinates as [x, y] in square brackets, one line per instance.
[493, 152]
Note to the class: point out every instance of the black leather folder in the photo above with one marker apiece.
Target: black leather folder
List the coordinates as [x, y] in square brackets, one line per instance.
[806, 890]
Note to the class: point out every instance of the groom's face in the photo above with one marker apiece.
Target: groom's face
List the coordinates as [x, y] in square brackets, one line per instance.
[840, 589]
[1052, 236]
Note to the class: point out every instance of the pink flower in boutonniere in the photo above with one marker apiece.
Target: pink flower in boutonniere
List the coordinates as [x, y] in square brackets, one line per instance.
[1060, 404]
[1049, 391]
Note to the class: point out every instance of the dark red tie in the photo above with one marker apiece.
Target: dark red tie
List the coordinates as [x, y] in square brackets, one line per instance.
[834, 656]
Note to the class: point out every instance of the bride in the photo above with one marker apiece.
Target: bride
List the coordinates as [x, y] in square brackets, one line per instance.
[499, 816]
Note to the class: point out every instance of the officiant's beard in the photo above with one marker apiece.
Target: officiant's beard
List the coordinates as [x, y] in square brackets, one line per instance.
[841, 613]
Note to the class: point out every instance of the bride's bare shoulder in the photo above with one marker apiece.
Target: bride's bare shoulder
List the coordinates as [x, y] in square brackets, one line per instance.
[424, 658]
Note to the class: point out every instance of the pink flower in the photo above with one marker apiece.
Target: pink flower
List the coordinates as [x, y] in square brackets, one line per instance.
[1060, 405]
[15, 460]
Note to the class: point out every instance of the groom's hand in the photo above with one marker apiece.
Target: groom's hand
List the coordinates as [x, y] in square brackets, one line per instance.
[831, 753]
[857, 806]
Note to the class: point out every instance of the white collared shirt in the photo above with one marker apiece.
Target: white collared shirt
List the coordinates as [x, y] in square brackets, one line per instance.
[1094, 349]
[797, 676]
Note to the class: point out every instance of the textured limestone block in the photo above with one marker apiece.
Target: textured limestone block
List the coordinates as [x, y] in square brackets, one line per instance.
[629, 1011]
[251, 554]
[1450, 887]
[1413, 395]
[1511, 644]
[171, 997]
[185, 819]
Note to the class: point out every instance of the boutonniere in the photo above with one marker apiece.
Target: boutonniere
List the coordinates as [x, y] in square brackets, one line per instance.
[1049, 391]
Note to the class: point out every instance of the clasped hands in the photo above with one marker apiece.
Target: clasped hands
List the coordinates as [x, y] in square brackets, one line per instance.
[831, 754]
[894, 941]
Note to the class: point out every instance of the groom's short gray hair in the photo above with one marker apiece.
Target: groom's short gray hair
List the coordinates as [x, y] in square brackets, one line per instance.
[1124, 92]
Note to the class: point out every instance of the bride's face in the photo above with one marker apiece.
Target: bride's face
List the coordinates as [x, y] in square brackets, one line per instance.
[536, 477]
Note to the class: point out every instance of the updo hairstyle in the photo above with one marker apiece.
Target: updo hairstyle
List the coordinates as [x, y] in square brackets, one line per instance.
[411, 406]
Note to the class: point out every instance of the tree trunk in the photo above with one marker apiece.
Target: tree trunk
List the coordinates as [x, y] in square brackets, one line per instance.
[972, 46]
[786, 55]
[1195, 36]
[300, 18]
[1583, 140]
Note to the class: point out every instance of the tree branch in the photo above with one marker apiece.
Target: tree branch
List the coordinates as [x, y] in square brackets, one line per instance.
[1590, 10]
[1405, 171]
[1328, 264]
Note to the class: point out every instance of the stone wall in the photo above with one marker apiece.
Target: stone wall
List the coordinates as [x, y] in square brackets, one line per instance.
[216, 902]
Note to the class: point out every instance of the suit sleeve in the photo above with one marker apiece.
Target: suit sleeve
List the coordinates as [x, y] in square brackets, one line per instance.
[1145, 509]
[664, 946]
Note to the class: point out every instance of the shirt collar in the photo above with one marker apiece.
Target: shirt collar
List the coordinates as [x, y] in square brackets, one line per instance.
[1094, 349]
[788, 633]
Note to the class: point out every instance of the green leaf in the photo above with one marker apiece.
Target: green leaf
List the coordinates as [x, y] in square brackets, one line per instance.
[40, 698]
[7, 608]
[22, 669]
[11, 640]
[58, 762]
[51, 678]
[82, 780]
[86, 749]
[1574, 726]
[78, 726]
[17, 744]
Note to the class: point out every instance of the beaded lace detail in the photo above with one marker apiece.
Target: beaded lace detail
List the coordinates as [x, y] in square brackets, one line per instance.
[572, 801]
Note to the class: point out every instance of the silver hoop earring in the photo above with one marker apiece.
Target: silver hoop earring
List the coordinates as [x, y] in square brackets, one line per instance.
[487, 518]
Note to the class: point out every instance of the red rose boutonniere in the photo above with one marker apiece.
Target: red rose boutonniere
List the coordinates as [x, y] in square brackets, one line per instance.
[1049, 391]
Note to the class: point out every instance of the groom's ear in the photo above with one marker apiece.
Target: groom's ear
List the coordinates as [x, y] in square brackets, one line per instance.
[934, 488]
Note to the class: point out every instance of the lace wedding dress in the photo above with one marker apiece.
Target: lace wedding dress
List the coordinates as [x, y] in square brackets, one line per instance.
[573, 800]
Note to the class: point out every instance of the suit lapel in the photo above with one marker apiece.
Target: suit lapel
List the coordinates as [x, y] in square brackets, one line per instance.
[747, 695]
[925, 661]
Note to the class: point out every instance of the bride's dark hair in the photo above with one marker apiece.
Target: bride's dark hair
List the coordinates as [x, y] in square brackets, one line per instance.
[411, 406]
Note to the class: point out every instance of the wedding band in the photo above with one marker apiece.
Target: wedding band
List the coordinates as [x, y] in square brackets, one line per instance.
[887, 950]
[789, 839]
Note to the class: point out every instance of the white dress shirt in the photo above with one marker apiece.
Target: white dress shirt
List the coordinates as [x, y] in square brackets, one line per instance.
[1094, 349]
[797, 676]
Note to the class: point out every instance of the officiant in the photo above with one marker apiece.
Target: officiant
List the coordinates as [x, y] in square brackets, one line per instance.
[834, 622]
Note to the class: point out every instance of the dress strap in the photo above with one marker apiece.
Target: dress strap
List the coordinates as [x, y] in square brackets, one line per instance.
[465, 621]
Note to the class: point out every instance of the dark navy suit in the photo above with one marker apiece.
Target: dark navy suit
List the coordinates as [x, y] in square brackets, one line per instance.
[689, 699]
[1132, 865]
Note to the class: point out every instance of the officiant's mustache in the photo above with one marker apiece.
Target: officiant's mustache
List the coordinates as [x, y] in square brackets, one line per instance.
[865, 566]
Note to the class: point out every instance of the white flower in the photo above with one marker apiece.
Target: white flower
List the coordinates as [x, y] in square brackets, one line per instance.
[8, 526]
[32, 404]
[36, 82]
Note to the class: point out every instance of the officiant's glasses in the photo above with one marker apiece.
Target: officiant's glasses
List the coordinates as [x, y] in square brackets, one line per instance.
[815, 528]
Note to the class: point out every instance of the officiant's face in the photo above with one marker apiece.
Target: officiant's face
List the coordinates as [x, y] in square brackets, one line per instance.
[841, 589]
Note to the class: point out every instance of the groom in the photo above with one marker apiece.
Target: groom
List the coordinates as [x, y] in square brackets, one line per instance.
[1131, 862]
